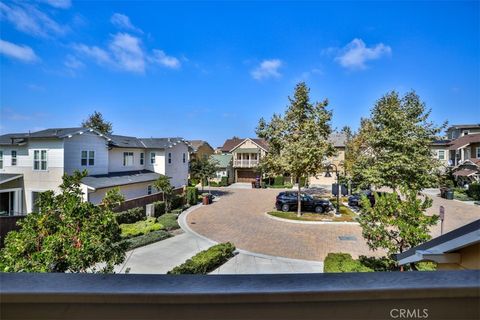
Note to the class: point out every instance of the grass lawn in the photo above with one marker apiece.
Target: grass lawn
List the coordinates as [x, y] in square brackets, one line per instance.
[347, 215]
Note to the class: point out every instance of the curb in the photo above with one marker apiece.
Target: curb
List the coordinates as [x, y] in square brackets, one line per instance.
[310, 222]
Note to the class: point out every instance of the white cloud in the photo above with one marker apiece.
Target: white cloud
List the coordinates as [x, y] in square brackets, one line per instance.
[267, 69]
[100, 56]
[163, 59]
[20, 52]
[128, 52]
[28, 19]
[60, 4]
[355, 54]
[73, 63]
[122, 21]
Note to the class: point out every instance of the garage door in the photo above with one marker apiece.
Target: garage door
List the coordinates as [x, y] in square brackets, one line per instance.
[246, 176]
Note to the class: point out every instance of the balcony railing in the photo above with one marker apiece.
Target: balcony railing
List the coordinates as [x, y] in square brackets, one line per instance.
[377, 295]
[245, 163]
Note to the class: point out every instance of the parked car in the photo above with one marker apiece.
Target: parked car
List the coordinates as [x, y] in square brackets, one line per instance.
[287, 201]
[355, 200]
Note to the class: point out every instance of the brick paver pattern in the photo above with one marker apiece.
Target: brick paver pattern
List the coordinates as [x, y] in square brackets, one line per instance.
[239, 217]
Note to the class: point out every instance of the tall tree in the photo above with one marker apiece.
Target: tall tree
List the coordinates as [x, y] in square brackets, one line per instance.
[298, 140]
[396, 148]
[203, 170]
[67, 234]
[163, 184]
[96, 121]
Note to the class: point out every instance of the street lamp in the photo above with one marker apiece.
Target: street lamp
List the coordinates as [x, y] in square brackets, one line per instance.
[328, 175]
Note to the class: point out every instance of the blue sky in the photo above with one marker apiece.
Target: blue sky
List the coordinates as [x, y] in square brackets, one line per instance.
[210, 70]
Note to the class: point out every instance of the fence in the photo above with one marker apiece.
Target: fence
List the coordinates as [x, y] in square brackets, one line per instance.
[7, 224]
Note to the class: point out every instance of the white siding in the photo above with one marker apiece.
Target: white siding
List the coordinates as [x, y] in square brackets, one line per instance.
[177, 170]
[159, 166]
[86, 142]
[115, 160]
[130, 191]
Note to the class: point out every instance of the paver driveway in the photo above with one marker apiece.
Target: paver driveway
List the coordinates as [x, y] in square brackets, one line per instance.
[239, 217]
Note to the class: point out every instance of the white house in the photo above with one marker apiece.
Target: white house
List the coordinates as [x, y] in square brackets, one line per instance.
[31, 163]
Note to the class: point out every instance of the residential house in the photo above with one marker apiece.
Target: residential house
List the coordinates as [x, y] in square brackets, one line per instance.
[31, 163]
[458, 249]
[246, 155]
[460, 130]
[441, 152]
[224, 167]
[200, 149]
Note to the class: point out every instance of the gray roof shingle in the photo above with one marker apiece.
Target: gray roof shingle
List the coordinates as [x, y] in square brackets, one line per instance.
[119, 178]
[161, 143]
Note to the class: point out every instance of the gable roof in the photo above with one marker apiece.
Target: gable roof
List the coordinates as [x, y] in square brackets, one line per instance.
[161, 143]
[231, 144]
[464, 126]
[338, 139]
[223, 160]
[198, 143]
[56, 133]
[125, 141]
[464, 141]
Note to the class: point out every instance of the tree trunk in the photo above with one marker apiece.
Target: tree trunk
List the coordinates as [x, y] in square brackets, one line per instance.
[299, 201]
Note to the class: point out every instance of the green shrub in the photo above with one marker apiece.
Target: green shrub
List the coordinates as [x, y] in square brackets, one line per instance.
[192, 194]
[176, 211]
[192, 182]
[131, 215]
[214, 184]
[177, 201]
[148, 238]
[206, 260]
[279, 181]
[474, 191]
[168, 221]
[288, 185]
[140, 227]
[378, 264]
[343, 262]
[303, 181]
[224, 182]
[159, 208]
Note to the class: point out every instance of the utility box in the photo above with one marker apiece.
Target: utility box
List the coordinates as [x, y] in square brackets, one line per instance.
[150, 210]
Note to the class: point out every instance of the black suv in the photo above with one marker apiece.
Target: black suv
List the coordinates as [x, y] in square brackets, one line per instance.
[287, 201]
[356, 199]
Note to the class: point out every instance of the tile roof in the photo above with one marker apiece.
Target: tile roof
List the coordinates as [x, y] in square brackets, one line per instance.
[119, 178]
[464, 141]
[223, 160]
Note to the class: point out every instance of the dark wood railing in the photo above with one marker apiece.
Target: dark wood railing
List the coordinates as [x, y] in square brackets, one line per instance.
[389, 295]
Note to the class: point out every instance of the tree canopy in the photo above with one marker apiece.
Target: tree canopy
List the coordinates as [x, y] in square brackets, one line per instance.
[96, 121]
[299, 140]
[163, 184]
[67, 234]
[203, 169]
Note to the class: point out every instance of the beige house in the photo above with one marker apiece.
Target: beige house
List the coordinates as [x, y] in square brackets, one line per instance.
[200, 149]
[458, 249]
[246, 155]
[459, 130]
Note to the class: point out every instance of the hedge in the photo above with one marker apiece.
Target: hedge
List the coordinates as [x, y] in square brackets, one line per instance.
[131, 215]
[192, 194]
[206, 260]
[177, 201]
[224, 182]
[279, 181]
[159, 208]
[168, 221]
[343, 262]
[148, 238]
[141, 227]
[474, 191]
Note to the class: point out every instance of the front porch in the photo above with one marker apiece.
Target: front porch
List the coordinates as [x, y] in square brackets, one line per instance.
[11, 194]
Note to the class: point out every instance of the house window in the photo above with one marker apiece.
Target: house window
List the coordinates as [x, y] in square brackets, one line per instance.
[1, 159]
[149, 190]
[184, 158]
[169, 158]
[88, 157]
[142, 158]
[465, 132]
[478, 152]
[14, 157]
[39, 159]
[441, 154]
[128, 159]
[152, 158]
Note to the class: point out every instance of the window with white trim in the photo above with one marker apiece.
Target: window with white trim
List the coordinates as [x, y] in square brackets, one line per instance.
[152, 157]
[149, 190]
[441, 154]
[128, 159]
[169, 158]
[142, 158]
[465, 132]
[40, 160]
[1, 159]
[14, 157]
[88, 158]
[184, 157]
[478, 152]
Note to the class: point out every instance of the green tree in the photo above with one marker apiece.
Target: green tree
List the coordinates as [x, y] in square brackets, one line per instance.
[396, 224]
[163, 184]
[96, 121]
[298, 140]
[396, 147]
[203, 170]
[66, 235]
